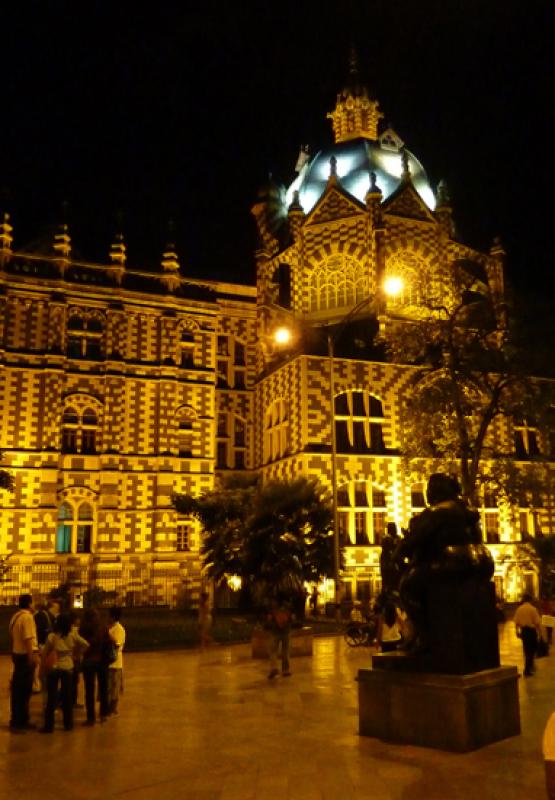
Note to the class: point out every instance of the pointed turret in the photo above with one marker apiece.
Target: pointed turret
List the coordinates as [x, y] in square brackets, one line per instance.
[296, 215]
[444, 210]
[405, 174]
[62, 247]
[170, 263]
[355, 114]
[373, 201]
[6, 239]
[118, 256]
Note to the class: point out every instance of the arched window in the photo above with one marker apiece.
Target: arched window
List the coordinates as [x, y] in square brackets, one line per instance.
[337, 283]
[185, 424]
[276, 431]
[410, 269]
[64, 529]
[362, 513]
[359, 420]
[187, 345]
[79, 431]
[74, 532]
[70, 430]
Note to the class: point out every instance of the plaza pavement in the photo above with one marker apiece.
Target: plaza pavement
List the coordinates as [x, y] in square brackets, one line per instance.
[210, 726]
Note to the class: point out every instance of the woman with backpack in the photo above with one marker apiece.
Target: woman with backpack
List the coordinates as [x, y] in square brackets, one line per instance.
[95, 663]
[57, 668]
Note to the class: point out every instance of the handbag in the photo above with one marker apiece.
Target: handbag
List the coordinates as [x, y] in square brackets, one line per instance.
[48, 662]
[542, 649]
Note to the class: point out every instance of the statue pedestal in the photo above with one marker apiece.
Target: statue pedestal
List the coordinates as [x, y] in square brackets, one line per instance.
[449, 712]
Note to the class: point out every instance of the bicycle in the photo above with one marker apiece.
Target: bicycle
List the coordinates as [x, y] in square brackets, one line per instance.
[359, 634]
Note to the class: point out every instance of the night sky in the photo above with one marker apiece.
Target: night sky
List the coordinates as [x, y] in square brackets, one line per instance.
[134, 117]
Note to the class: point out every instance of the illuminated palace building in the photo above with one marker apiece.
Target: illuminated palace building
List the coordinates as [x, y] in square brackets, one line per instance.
[121, 386]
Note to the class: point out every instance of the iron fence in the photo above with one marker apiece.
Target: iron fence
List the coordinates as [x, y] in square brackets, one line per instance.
[130, 585]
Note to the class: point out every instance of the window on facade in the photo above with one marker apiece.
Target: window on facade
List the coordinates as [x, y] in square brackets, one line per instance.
[239, 459]
[185, 433]
[362, 513]
[337, 283]
[417, 499]
[239, 353]
[221, 455]
[526, 439]
[276, 431]
[240, 378]
[239, 432]
[490, 516]
[223, 347]
[359, 423]
[187, 345]
[84, 338]
[182, 536]
[79, 431]
[74, 531]
[222, 374]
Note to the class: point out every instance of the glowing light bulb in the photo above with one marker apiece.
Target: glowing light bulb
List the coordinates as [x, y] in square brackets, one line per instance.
[393, 286]
[282, 335]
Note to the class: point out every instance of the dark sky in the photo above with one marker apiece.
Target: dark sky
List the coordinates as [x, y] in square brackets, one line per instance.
[180, 111]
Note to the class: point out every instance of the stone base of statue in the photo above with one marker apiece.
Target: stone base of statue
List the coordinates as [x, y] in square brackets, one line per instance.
[448, 712]
[451, 693]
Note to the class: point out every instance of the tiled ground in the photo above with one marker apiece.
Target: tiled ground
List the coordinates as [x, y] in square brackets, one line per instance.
[210, 726]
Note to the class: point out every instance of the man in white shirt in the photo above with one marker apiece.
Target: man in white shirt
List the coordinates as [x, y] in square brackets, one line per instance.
[528, 628]
[24, 648]
[115, 670]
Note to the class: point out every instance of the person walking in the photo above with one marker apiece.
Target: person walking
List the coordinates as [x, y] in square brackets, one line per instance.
[63, 641]
[279, 624]
[94, 664]
[204, 620]
[528, 628]
[115, 670]
[24, 650]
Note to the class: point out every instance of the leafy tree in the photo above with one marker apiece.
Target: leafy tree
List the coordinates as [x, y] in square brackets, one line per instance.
[471, 367]
[274, 536]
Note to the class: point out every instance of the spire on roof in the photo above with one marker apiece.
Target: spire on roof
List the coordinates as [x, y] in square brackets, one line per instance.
[118, 251]
[405, 175]
[355, 114]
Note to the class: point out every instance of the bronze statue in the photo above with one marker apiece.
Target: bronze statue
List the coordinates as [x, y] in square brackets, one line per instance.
[444, 540]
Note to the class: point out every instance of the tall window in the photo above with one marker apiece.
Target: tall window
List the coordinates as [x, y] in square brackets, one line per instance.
[79, 431]
[490, 516]
[187, 355]
[84, 337]
[276, 431]
[526, 439]
[409, 268]
[529, 516]
[417, 499]
[337, 283]
[231, 442]
[359, 421]
[75, 528]
[183, 535]
[231, 362]
[361, 513]
[185, 433]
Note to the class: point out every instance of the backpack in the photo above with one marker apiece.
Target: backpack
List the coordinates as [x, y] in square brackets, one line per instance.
[281, 617]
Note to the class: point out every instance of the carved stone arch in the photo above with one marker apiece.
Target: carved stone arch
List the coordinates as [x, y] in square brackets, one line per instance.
[185, 411]
[82, 400]
[336, 278]
[188, 324]
[77, 495]
[415, 273]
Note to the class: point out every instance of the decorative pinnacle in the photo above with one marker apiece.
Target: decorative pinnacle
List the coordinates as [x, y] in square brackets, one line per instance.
[443, 198]
[333, 167]
[374, 188]
[406, 168]
[295, 202]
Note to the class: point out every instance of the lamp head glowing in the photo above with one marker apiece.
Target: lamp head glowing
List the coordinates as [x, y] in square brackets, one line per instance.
[282, 335]
[393, 286]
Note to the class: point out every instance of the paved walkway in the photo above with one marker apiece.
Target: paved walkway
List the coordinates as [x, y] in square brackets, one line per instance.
[210, 726]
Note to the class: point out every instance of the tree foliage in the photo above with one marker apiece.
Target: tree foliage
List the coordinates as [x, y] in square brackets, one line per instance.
[471, 367]
[274, 537]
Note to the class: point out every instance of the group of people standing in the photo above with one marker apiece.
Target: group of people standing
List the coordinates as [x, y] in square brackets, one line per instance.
[49, 652]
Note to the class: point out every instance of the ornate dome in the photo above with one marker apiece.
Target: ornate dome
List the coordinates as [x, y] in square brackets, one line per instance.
[356, 159]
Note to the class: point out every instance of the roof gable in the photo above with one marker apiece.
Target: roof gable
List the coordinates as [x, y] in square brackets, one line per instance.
[406, 202]
[334, 204]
